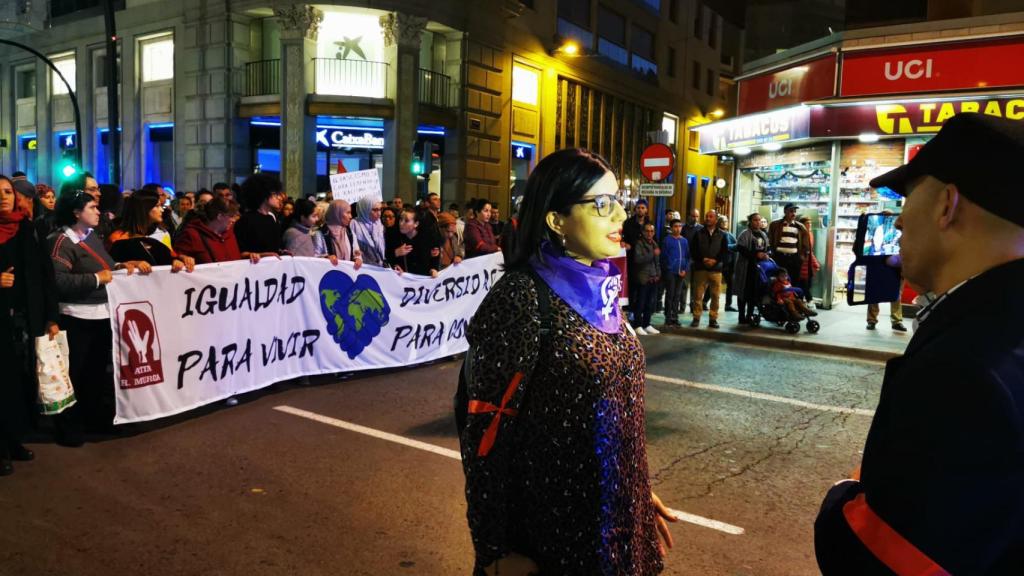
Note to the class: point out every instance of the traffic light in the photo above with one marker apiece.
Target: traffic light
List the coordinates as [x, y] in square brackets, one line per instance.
[417, 166]
[69, 164]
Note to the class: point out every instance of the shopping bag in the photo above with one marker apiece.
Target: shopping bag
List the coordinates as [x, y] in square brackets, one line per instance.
[56, 393]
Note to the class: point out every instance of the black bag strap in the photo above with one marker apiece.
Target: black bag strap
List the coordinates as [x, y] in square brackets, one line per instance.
[543, 307]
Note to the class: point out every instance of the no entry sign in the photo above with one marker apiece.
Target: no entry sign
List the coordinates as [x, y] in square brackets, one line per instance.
[656, 162]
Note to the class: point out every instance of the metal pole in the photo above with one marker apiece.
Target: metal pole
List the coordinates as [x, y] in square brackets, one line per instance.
[71, 93]
[113, 118]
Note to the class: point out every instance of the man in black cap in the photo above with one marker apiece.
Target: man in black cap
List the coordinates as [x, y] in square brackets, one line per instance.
[789, 241]
[941, 486]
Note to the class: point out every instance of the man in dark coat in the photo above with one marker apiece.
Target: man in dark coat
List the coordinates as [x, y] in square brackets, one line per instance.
[941, 486]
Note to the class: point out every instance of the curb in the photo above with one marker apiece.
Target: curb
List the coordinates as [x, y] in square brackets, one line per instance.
[778, 343]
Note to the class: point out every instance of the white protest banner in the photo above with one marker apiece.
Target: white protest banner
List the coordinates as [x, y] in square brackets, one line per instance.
[354, 186]
[184, 340]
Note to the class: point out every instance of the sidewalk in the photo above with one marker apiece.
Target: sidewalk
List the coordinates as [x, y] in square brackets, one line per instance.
[843, 333]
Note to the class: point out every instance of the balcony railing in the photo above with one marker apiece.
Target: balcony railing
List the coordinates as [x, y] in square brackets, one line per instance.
[436, 89]
[263, 77]
[351, 77]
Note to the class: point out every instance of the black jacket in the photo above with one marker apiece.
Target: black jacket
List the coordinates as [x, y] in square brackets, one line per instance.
[34, 293]
[709, 245]
[944, 460]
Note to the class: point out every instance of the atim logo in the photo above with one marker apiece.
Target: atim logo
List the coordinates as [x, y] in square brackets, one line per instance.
[138, 346]
[355, 311]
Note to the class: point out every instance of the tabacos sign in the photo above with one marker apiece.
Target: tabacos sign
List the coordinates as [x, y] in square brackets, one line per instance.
[933, 68]
[755, 129]
[792, 85]
[906, 118]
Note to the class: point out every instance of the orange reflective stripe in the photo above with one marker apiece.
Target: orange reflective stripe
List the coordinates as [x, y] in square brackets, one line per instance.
[886, 544]
[479, 407]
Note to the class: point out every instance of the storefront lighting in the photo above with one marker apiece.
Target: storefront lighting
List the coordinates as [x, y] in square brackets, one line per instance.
[868, 137]
[627, 183]
[772, 146]
[720, 183]
[742, 151]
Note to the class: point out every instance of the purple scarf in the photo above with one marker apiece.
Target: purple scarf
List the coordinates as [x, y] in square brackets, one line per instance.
[592, 291]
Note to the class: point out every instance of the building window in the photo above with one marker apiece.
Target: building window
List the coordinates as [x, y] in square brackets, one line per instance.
[642, 45]
[713, 31]
[574, 21]
[670, 125]
[525, 85]
[653, 5]
[693, 142]
[611, 36]
[710, 87]
[698, 21]
[157, 59]
[66, 65]
[673, 11]
[351, 56]
[25, 82]
[99, 67]
[696, 75]
[671, 62]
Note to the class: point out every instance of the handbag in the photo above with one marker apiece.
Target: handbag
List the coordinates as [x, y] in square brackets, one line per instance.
[56, 393]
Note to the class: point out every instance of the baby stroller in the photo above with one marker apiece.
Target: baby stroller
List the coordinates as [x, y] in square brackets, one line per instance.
[768, 309]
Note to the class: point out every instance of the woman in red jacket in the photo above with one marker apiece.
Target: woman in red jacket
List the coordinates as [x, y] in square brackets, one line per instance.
[479, 235]
[209, 237]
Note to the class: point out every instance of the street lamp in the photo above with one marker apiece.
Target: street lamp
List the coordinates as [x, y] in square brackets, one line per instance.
[568, 47]
[717, 113]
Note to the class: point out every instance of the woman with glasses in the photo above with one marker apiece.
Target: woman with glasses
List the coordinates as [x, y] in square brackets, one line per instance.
[553, 447]
[369, 231]
[479, 235]
[83, 268]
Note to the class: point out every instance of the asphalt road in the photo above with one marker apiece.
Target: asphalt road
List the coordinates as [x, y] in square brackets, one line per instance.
[747, 438]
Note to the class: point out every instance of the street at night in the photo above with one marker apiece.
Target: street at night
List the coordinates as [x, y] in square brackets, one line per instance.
[308, 480]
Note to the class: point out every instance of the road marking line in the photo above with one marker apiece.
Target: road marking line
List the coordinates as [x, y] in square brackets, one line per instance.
[761, 396]
[446, 452]
[454, 454]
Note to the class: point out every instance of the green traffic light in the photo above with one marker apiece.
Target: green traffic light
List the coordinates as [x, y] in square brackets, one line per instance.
[69, 170]
[417, 167]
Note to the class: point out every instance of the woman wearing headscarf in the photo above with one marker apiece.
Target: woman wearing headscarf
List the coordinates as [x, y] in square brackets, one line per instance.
[28, 307]
[369, 231]
[554, 448]
[452, 250]
[338, 234]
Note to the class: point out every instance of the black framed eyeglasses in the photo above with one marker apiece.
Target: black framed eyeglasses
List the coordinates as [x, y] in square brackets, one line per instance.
[603, 203]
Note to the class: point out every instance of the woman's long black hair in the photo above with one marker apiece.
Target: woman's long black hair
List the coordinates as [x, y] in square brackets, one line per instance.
[558, 180]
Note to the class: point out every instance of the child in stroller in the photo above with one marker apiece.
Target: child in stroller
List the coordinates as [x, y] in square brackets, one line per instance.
[780, 302]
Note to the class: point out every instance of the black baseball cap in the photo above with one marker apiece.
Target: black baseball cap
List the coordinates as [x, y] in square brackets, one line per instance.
[789, 207]
[980, 154]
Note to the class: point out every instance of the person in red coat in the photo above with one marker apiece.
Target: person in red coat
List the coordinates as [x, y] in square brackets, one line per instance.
[479, 235]
[209, 236]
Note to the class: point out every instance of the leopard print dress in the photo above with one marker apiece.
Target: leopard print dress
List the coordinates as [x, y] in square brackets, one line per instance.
[564, 480]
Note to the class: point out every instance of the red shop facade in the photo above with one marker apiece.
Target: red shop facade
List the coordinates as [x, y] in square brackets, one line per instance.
[815, 130]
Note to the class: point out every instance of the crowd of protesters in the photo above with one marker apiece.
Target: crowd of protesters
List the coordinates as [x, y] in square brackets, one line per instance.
[58, 252]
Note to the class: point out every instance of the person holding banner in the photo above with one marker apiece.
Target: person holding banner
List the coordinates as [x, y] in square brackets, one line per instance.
[209, 237]
[410, 251]
[553, 447]
[369, 231]
[258, 231]
[28, 307]
[82, 269]
[132, 239]
[452, 249]
[341, 242]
